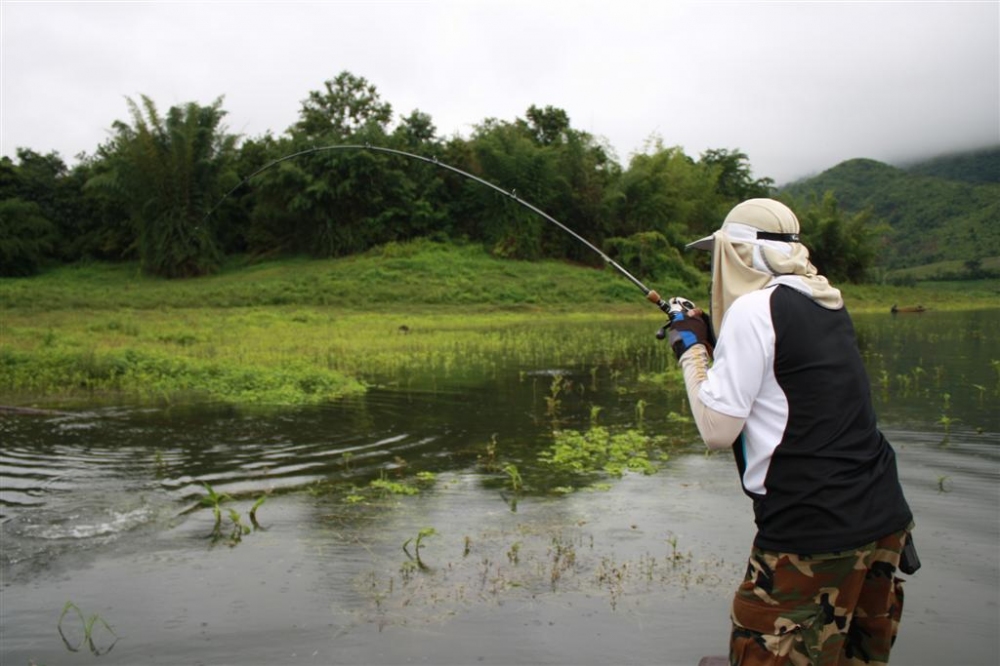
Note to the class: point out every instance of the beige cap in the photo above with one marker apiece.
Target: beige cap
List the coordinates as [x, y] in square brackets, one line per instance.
[756, 220]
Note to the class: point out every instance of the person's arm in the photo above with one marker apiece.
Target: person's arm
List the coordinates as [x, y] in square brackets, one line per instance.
[717, 429]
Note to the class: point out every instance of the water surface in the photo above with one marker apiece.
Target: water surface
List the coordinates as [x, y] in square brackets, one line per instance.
[100, 508]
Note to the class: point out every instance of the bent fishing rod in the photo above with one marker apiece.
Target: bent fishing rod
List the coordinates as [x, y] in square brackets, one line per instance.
[650, 294]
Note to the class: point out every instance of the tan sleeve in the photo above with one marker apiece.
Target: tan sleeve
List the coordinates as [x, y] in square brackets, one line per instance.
[717, 429]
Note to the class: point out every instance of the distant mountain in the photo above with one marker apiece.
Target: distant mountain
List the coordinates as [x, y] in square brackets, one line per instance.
[946, 208]
[980, 166]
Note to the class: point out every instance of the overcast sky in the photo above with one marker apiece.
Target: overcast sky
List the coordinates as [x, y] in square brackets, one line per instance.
[797, 86]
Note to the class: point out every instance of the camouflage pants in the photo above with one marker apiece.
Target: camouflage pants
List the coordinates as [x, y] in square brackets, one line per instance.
[836, 609]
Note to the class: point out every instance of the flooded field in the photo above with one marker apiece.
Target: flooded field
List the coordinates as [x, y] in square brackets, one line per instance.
[423, 525]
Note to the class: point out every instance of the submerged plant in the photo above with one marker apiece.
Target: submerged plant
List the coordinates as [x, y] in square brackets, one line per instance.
[418, 543]
[946, 419]
[384, 486]
[488, 461]
[640, 410]
[253, 512]
[238, 529]
[514, 553]
[514, 476]
[88, 624]
[598, 449]
[214, 500]
[552, 401]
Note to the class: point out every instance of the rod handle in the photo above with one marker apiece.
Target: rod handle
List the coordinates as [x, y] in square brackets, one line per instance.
[654, 297]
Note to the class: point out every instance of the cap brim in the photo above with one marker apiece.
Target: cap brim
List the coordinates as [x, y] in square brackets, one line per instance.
[706, 243]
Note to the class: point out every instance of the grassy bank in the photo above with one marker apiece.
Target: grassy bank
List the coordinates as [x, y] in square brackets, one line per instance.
[299, 331]
[392, 278]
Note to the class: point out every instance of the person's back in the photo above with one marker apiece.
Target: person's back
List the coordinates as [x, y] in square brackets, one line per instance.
[823, 476]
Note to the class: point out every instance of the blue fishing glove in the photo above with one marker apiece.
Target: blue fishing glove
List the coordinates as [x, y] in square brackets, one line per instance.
[687, 329]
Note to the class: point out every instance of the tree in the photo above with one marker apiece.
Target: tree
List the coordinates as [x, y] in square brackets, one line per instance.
[423, 186]
[170, 170]
[55, 192]
[331, 202]
[26, 237]
[734, 176]
[843, 247]
[548, 126]
[665, 190]
[416, 131]
[233, 215]
[346, 104]
[545, 162]
[505, 154]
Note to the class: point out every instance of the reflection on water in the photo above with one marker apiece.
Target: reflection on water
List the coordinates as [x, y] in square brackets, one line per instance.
[101, 508]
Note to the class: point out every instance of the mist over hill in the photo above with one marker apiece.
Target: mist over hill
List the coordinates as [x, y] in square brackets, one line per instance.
[945, 208]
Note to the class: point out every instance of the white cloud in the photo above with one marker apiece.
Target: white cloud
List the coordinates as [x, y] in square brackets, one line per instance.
[798, 86]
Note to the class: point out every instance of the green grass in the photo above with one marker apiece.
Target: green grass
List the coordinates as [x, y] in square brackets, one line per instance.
[944, 269]
[390, 278]
[302, 331]
[933, 295]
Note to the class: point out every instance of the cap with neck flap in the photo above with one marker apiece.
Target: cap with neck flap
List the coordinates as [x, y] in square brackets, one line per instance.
[758, 245]
[756, 220]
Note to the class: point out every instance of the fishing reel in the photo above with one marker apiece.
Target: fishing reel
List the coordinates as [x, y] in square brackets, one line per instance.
[675, 306]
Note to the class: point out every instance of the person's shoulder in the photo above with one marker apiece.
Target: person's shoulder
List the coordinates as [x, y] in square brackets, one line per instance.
[750, 312]
[755, 301]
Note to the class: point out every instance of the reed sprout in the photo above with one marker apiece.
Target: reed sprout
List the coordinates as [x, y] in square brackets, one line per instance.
[418, 543]
[89, 626]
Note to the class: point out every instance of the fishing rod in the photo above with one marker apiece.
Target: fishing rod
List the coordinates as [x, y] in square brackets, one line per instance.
[651, 295]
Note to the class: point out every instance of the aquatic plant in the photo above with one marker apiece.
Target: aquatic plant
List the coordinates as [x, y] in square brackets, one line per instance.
[676, 556]
[418, 543]
[253, 511]
[214, 501]
[488, 461]
[563, 554]
[552, 401]
[513, 553]
[238, 529]
[598, 449]
[640, 410]
[946, 419]
[884, 383]
[426, 478]
[88, 626]
[514, 476]
[384, 486]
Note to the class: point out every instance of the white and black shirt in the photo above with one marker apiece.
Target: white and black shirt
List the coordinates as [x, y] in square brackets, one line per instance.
[822, 476]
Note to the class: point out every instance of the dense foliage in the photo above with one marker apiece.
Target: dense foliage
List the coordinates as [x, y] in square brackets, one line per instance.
[178, 193]
[941, 210]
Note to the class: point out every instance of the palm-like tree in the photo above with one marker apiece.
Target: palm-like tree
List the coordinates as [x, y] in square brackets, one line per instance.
[171, 170]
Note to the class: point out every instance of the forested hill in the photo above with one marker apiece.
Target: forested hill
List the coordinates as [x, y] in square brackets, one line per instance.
[947, 208]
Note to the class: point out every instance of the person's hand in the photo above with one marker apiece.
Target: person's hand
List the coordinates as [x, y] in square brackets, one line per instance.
[688, 329]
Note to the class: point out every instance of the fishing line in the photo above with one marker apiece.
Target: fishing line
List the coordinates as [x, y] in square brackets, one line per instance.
[650, 294]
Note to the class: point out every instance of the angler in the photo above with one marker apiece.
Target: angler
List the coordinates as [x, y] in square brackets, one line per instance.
[786, 389]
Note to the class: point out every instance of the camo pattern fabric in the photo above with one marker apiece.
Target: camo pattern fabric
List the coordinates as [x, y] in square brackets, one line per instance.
[834, 609]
